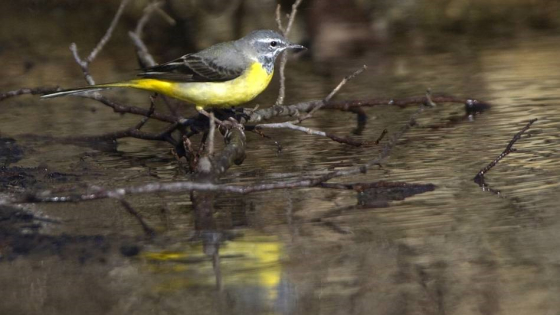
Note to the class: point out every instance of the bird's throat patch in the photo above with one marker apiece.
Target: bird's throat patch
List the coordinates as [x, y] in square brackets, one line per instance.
[267, 63]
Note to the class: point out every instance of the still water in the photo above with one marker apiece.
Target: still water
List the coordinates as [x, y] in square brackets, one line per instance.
[454, 250]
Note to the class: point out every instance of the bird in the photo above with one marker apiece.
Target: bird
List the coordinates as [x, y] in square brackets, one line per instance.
[223, 75]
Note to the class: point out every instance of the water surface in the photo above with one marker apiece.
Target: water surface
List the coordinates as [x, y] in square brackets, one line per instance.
[454, 250]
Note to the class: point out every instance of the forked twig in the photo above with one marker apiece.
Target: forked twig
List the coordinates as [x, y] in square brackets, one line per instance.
[84, 63]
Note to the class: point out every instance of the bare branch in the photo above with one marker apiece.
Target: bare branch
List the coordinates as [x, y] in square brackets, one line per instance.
[232, 154]
[148, 11]
[293, 124]
[276, 143]
[279, 19]
[309, 131]
[343, 82]
[128, 133]
[145, 59]
[381, 136]
[108, 33]
[295, 110]
[134, 132]
[84, 63]
[292, 17]
[284, 58]
[141, 50]
[334, 91]
[119, 108]
[149, 114]
[479, 178]
[32, 91]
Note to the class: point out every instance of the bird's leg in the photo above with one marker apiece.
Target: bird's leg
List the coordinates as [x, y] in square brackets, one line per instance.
[239, 114]
[204, 113]
[224, 113]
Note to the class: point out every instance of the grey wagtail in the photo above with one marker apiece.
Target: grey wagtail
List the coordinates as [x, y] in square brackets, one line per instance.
[223, 75]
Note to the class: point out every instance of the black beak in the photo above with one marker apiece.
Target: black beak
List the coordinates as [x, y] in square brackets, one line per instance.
[296, 47]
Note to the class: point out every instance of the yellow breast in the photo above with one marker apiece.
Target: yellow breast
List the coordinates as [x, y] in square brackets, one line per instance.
[207, 94]
[224, 94]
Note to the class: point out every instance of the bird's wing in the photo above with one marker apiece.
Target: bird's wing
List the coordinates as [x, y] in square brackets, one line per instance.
[210, 65]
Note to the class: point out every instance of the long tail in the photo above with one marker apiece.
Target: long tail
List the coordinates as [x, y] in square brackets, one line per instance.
[143, 84]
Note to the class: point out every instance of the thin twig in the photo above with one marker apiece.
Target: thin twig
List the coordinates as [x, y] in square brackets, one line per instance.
[134, 132]
[381, 136]
[292, 17]
[145, 59]
[108, 33]
[84, 63]
[119, 108]
[334, 91]
[148, 11]
[147, 229]
[279, 19]
[284, 58]
[32, 91]
[260, 133]
[128, 133]
[342, 83]
[144, 56]
[165, 16]
[479, 178]
[148, 114]
[293, 124]
[309, 131]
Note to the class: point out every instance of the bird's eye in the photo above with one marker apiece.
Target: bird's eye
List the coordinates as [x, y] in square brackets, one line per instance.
[273, 43]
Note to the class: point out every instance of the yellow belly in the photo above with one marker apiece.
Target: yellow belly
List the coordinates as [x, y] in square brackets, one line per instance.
[212, 94]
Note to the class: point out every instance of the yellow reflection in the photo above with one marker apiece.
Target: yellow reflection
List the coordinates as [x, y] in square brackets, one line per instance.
[252, 260]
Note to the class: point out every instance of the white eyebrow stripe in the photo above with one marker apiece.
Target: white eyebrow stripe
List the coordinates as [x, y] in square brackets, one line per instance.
[267, 40]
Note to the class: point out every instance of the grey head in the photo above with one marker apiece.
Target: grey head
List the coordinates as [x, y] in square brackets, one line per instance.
[265, 46]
